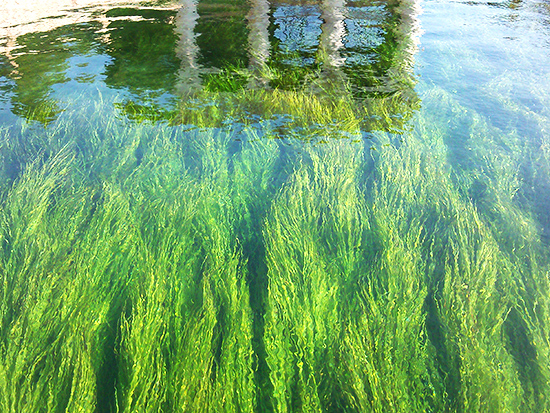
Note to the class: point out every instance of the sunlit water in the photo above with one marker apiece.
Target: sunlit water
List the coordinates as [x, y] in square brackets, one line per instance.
[275, 206]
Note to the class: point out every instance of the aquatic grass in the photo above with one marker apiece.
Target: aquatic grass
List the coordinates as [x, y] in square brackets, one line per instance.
[498, 187]
[345, 326]
[163, 267]
[153, 203]
[58, 292]
[453, 262]
[388, 334]
[321, 106]
[476, 281]
[313, 234]
[296, 110]
[202, 354]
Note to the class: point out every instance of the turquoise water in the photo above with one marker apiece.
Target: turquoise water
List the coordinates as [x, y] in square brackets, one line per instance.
[289, 206]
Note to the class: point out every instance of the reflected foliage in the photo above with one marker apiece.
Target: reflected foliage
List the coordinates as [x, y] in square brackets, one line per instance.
[142, 53]
[222, 34]
[41, 63]
[139, 47]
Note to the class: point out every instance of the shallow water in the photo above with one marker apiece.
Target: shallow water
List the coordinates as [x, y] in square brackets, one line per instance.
[275, 206]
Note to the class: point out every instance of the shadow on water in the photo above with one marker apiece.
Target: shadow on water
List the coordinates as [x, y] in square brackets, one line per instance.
[108, 370]
[448, 362]
[519, 343]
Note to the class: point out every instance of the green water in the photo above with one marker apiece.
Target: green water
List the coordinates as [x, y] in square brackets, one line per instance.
[260, 206]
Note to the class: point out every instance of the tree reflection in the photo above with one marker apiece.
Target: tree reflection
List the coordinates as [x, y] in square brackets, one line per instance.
[360, 49]
[41, 63]
[187, 49]
[336, 47]
[331, 42]
[142, 51]
[258, 42]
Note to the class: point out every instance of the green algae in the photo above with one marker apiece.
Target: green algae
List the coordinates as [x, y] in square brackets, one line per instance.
[155, 268]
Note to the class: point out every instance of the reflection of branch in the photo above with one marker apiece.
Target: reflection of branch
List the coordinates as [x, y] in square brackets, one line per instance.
[11, 45]
[410, 28]
[258, 38]
[333, 32]
[187, 49]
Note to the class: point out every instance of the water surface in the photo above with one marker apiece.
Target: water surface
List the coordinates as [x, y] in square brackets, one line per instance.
[274, 206]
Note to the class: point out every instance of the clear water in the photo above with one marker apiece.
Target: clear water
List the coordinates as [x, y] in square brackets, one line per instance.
[274, 206]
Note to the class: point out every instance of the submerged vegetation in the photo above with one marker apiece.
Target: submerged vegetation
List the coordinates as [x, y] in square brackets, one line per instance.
[284, 238]
[320, 106]
[167, 268]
